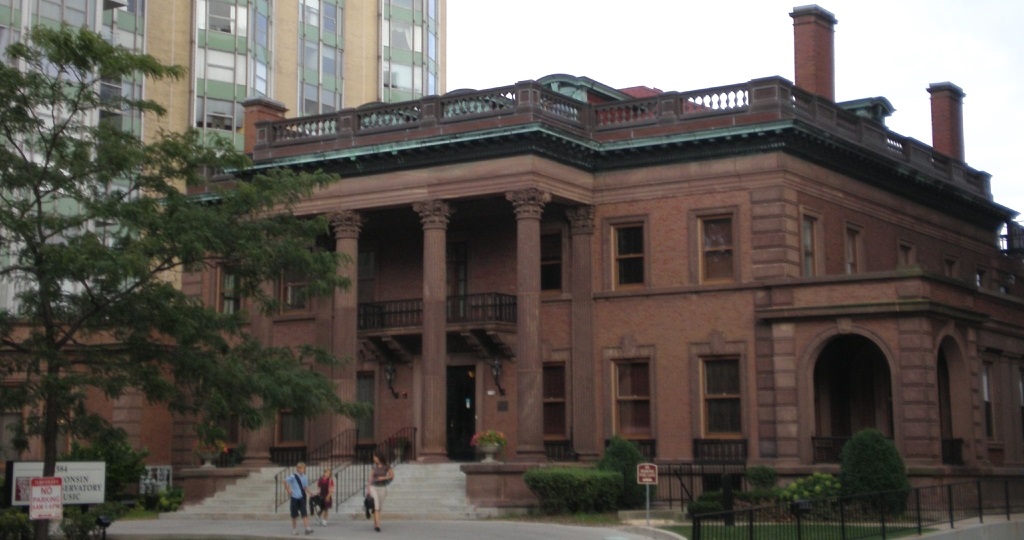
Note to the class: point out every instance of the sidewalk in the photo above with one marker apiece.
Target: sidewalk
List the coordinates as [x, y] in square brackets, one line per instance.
[209, 529]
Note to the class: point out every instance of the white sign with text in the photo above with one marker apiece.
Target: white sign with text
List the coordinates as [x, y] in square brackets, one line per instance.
[83, 482]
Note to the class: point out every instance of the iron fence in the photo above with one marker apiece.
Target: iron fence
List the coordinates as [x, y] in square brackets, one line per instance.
[874, 515]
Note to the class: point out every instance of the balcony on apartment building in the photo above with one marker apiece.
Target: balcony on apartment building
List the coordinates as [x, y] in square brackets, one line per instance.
[484, 322]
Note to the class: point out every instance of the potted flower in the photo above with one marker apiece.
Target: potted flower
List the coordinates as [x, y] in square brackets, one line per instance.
[209, 450]
[489, 441]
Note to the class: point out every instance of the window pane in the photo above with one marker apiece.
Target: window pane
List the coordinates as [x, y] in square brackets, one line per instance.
[723, 416]
[633, 380]
[722, 377]
[634, 418]
[554, 419]
[718, 264]
[551, 262]
[554, 382]
[717, 233]
[629, 240]
[293, 428]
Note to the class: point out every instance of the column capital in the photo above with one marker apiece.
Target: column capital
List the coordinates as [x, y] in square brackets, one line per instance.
[529, 202]
[346, 224]
[434, 213]
[581, 219]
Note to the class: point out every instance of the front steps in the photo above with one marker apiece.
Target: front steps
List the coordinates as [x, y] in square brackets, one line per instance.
[435, 491]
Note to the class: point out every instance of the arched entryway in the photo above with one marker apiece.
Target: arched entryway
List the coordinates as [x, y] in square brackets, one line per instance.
[852, 392]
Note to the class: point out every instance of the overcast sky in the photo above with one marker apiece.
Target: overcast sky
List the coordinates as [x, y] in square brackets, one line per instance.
[889, 48]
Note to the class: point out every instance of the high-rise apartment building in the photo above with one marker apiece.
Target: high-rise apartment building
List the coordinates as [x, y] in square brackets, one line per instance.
[313, 56]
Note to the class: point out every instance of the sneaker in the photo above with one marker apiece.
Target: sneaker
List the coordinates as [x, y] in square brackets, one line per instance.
[309, 531]
[376, 529]
[295, 532]
[324, 524]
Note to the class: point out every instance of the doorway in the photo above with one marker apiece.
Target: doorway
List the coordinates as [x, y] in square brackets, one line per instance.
[461, 412]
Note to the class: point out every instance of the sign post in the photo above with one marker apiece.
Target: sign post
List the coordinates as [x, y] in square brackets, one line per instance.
[47, 498]
[647, 474]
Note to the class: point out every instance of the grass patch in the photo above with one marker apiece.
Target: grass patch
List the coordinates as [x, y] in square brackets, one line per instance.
[602, 519]
[787, 530]
[139, 512]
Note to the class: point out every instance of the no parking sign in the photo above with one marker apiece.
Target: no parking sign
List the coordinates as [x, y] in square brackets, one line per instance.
[47, 499]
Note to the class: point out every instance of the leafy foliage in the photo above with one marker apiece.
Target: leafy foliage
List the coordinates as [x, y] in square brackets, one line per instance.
[871, 464]
[816, 486]
[168, 500]
[14, 525]
[124, 464]
[81, 524]
[761, 477]
[574, 489]
[97, 225]
[623, 456]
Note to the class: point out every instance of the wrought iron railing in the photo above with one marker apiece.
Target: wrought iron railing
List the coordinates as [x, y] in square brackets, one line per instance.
[484, 307]
[828, 449]
[336, 454]
[872, 515]
[720, 450]
[399, 447]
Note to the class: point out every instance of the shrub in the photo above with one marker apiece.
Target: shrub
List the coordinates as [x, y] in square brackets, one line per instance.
[81, 524]
[816, 486]
[623, 456]
[574, 489]
[761, 477]
[14, 525]
[168, 500]
[871, 464]
[708, 503]
[125, 465]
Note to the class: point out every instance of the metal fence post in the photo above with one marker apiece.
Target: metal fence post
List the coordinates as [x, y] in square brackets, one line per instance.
[750, 524]
[949, 504]
[696, 528]
[918, 505]
[1006, 496]
[981, 509]
[842, 517]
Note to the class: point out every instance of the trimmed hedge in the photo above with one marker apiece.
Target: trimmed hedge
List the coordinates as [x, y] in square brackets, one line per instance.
[574, 489]
[871, 464]
[622, 456]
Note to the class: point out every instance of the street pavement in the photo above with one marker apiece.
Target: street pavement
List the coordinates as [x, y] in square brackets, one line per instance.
[210, 529]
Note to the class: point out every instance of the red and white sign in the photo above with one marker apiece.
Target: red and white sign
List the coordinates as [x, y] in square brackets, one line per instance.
[47, 500]
[646, 473]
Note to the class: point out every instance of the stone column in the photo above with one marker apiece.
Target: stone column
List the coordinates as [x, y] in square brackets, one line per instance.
[528, 205]
[344, 341]
[434, 216]
[258, 442]
[584, 407]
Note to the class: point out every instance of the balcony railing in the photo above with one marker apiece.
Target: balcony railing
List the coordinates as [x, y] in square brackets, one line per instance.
[828, 449]
[720, 450]
[471, 308]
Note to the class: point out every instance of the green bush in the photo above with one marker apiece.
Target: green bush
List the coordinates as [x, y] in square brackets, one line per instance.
[816, 486]
[871, 464]
[759, 496]
[14, 525]
[81, 525]
[124, 464]
[708, 503]
[761, 477]
[574, 489]
[168, 500]
[623, 456]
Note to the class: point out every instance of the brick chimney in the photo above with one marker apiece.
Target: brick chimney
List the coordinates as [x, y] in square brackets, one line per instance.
[259, 109]
[947, 119]
[814, 50]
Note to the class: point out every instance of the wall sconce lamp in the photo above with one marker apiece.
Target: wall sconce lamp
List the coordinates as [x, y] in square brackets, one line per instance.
[389, 377]
[496, 373]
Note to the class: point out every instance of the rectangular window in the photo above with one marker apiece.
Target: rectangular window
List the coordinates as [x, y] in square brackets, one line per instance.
[809, 245]
[979, 278]
[852, 250]
[364, 394]
[722, 396]
[221, 16]
[311, 12]
[986, 394]
[633, 399]
[294, 290]
[8, 421]
[230, 302]
[291, 428]
[906, 254]
[551, 262]
[629, 254]
[716, 240]
[951, 267]
[555, 424]
[330, 18]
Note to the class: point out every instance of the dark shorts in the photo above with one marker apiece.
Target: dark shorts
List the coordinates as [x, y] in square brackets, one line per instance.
[298, 507]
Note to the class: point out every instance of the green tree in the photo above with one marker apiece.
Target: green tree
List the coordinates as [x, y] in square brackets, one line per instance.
[97, 225]
[125, 465]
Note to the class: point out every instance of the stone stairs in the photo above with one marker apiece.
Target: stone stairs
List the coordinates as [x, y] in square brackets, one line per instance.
[434, 491]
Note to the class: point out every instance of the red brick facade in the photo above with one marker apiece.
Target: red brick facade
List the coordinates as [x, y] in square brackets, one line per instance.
[751, 272]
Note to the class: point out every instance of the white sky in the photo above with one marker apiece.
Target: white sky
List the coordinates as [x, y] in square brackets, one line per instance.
[888, 48]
